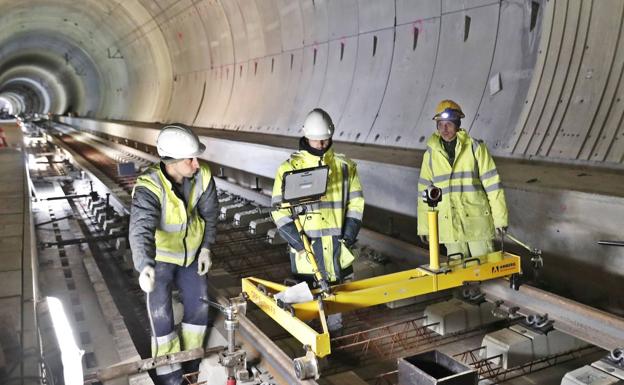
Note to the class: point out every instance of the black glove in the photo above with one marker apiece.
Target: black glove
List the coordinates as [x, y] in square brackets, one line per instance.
[349, 242]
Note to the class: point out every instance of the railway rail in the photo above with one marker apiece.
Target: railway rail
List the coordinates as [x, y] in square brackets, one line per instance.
[375, 336]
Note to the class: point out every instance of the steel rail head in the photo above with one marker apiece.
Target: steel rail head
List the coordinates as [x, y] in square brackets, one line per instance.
[587, 323]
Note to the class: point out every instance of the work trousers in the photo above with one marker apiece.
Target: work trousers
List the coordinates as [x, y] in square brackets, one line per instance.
[192, 288]
[470, 249]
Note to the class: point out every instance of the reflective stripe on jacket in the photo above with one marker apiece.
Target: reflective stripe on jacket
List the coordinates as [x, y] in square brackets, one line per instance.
[473, 200]
[323, 221]
[180, 233]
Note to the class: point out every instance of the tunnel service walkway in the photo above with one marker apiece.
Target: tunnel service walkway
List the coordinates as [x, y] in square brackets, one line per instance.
[17, 291]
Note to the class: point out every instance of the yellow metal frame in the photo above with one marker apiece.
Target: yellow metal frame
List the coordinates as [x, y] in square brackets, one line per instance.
[374, 291]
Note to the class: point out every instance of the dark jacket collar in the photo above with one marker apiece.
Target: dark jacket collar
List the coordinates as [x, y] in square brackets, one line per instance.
[163, 169]
[305, 146]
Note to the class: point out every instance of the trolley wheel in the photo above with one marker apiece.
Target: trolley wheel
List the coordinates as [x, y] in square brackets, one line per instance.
[514, 281]
[306, 367]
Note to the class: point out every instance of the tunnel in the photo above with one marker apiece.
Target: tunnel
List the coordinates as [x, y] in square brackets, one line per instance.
[539, 82]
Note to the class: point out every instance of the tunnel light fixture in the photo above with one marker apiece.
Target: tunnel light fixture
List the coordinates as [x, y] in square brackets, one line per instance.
[71, 355]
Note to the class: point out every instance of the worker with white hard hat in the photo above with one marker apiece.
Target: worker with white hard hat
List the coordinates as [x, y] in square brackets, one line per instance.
[172, 226]
[333, 223]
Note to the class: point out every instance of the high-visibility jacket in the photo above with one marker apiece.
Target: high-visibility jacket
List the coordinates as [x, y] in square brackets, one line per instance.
[180, 232]
[473, 201]
[326, 222]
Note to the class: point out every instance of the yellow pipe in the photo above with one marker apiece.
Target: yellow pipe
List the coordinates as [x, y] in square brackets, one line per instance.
[434, 244]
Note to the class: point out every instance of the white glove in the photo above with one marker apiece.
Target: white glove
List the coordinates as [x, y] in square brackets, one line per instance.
[203, 261]
[147, 278]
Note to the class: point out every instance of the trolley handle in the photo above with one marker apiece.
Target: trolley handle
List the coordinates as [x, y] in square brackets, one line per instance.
[471, 260]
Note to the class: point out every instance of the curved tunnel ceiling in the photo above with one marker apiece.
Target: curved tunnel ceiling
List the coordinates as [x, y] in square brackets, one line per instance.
[75, 44]
[66, 66]
[537, 79]
[32, 91]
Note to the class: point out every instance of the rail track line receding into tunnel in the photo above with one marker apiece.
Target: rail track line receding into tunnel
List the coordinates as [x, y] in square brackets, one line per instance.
[371, 334]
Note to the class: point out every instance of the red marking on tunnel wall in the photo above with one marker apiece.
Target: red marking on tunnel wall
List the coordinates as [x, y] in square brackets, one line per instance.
[420, 25]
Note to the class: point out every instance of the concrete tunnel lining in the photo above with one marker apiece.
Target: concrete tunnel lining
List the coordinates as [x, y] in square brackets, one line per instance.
[260, 66]
[83, 37]
[540, 82]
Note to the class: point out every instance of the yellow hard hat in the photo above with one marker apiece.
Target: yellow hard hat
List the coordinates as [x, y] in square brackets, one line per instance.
[448, 110]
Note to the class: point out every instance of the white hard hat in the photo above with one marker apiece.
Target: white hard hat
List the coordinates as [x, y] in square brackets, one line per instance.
[178, 142]
[318, 125]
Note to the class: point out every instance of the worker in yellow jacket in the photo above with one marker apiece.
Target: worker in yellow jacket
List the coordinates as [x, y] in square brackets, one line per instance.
[173, 225]
[333, 223]
[473, 203]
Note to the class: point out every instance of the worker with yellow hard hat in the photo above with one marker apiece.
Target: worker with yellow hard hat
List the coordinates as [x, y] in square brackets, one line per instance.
[473, 206]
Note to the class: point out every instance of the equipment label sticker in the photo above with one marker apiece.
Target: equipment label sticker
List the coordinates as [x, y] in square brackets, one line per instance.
[503, 268]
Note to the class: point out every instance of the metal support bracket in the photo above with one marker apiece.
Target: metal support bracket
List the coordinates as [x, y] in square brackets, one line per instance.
[54, 220]
[75, 241]
[140, 366]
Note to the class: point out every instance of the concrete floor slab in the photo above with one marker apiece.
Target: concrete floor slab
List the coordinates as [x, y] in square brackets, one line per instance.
[13, 189]
[455, 315]
[11, 205]
[588, 375]
[365, 268]
[514, 348]
[448, 316]
[10, 283]
[10, 253]
[10, 317]
[541, 347]
[10, 329]
[11, 225]
[243, 218]
[518, 345]
[11, 182]
[261, 226]
[608, 367]
[10, 158]
[555, 342]
[345, 378]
